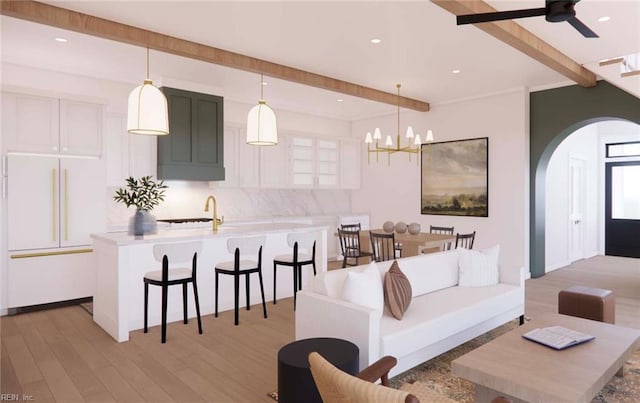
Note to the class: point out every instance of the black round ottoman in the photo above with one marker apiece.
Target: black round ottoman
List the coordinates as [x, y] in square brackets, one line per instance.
[295, 383]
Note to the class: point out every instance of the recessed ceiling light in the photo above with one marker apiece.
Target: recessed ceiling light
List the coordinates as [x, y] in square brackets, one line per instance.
[456, 71]
[340, 100]
[60, 39]
[376, 40]
[264, 83]
[604, 18]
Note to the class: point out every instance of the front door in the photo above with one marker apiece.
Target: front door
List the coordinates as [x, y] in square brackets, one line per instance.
[622, 209]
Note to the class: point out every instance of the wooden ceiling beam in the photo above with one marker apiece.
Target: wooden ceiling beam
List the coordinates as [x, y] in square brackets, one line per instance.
[516, 36]
[95, 26]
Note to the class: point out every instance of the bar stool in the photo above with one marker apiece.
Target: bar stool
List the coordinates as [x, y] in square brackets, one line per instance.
[176, 253]
[298, 240]
[238, 267]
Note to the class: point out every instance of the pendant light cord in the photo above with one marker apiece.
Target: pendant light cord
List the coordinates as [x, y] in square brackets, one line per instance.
[398, 132]
[261, 87]
[147, 62]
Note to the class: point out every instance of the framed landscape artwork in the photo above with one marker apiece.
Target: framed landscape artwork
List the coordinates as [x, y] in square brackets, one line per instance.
[455, 178]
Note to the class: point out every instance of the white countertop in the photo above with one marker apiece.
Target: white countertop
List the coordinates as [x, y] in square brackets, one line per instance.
[168, 235]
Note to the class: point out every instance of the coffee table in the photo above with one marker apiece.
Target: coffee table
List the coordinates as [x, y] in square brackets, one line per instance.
[522, 370]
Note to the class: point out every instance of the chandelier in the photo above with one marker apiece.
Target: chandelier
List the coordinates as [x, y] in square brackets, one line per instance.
[413, 146]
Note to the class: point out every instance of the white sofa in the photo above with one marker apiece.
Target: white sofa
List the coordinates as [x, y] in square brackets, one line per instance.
[441, 315]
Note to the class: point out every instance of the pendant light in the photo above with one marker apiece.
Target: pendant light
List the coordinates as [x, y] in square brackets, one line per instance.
[261, 123]
[147, 109]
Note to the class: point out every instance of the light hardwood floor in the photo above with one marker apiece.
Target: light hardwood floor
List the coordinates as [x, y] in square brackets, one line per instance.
[60, 354]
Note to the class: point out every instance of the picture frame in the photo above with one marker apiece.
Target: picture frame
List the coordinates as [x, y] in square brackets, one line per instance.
[455, 178]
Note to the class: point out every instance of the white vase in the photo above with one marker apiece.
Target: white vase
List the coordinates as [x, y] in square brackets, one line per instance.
[401, 227]
[388, 226]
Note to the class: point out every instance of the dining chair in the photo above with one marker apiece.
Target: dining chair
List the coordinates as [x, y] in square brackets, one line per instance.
[465, 240]
[440, 230]
[174, 253]
[351, 227]
[383, 246]
[350, 246]
[303, 253]
[239, 247]
[444, 231]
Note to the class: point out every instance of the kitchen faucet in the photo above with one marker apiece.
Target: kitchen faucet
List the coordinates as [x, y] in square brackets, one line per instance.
[216, 221]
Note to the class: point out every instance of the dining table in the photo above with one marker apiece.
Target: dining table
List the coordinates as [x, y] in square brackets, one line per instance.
[412, 245]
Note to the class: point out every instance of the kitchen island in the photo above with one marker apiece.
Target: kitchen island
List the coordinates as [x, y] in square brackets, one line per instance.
[121, 260]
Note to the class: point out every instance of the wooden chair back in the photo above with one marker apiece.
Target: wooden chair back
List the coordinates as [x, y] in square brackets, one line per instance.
[465, 240]
[440, 230]
[383, 246]
[351, 227]
[349, 242]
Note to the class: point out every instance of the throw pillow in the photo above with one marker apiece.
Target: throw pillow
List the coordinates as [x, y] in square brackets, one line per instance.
[478, 268]
[364, 287]
[397, 291]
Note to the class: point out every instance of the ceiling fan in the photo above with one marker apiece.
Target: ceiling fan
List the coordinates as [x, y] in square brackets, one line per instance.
[555, 11]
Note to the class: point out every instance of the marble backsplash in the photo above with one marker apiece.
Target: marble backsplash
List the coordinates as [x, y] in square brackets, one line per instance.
[186, 200]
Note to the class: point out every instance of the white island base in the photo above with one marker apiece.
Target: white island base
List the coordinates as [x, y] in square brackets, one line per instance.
[122, 260]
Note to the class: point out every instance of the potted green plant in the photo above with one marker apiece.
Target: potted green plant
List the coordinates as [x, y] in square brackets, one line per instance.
[144, 194]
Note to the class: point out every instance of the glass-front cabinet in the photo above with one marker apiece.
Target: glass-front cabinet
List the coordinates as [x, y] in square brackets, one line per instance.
[314, 162]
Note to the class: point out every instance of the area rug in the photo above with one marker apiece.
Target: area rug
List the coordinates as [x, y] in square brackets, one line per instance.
[436, 374]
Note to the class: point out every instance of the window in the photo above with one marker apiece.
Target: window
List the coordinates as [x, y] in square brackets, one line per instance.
[625, 192]
[628, 149]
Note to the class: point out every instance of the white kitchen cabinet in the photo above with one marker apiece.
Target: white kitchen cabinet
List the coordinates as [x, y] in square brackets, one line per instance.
[241, 160]
[350, 168]
[127, 154]
[314, 162]
[54, 202]
[30, 123]
[51, 126]
[274, 164]
[80, 128]
[47, 278]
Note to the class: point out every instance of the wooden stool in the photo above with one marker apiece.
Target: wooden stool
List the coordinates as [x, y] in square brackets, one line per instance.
[589, 303]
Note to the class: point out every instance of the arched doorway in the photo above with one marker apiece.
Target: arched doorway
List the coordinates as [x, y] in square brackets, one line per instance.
[554, 115]
[576, 197]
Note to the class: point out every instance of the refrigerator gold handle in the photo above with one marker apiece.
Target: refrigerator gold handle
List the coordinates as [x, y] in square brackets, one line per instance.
[54, 206]
[66, 205]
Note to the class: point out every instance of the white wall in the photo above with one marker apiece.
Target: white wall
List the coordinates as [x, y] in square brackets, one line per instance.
[392, 193]
[582, 144]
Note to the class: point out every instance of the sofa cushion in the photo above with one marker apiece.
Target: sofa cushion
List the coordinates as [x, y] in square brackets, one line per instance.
[438, 315]
[478, 268]
[397, 291]
[364, 287]
[430, 271]
[426, 273]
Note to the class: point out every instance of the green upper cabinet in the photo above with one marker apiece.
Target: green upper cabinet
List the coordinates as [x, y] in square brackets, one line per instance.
[193, 150]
